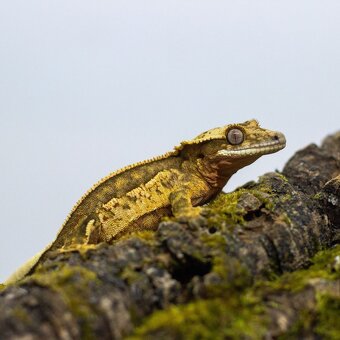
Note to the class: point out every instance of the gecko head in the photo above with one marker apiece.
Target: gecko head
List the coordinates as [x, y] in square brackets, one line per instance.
[234, 146]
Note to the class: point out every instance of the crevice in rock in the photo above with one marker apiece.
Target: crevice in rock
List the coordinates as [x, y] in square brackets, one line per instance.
[190, 267]
[273, 254]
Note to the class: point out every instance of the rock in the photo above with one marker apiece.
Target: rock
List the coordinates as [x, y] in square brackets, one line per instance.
[330, 196]
[263, 263]
[309, 169]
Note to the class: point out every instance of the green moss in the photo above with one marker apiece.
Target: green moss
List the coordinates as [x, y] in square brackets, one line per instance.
[324, 260]
[234, 276]
[317, 196]
[238, 311]
[206, 319]
[301, 327]
[2, 287]
[146, 235]
[286, 219]
[285, 198]
[226, 208]
[324, 319]
[229, 269]
[321, 268]
[214, 241]
[74, 284]
[328, 316]
[283, 177]
[130, 275]
[21, 314]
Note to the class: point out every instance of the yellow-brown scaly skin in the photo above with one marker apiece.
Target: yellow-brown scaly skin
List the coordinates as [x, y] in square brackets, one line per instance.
[138, 196]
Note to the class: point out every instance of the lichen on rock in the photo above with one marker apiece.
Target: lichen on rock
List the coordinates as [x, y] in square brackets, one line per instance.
[263, 263]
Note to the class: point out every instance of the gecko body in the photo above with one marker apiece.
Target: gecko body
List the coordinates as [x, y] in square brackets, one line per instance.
[177, 183]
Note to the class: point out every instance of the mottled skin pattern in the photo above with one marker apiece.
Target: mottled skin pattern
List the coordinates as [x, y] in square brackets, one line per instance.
[177, 183]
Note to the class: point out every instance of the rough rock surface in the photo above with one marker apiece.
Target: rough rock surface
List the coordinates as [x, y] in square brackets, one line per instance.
[263, 263]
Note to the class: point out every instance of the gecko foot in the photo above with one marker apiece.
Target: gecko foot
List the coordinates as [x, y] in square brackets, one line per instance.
[194, 217]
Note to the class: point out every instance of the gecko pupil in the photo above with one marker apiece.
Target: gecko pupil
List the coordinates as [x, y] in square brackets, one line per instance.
[235, 136]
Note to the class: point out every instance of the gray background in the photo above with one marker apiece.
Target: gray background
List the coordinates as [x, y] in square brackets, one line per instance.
[87, 87]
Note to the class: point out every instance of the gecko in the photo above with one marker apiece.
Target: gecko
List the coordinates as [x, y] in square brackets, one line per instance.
[178, 183]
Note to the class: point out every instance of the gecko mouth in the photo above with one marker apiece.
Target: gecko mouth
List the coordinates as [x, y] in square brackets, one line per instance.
[257, 149]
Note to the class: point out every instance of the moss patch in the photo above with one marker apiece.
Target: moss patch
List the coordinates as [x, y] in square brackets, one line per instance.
[206, 319]
[226, 207]
[237, 314]
[232, 274]
[21, 314]
[328, 316]
[322, 268]
[130, 275]
[323, 317]
[146, 235]
[74, 284]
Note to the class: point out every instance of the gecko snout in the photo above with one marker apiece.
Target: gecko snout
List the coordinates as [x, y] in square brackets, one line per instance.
[279, 137]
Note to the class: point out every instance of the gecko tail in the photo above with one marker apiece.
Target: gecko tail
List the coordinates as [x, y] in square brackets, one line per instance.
[23, 270]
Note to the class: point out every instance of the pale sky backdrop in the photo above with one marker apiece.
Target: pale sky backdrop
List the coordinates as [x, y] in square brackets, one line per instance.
[87, 87]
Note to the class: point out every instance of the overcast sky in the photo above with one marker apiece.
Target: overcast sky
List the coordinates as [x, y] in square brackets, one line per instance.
[87, 87]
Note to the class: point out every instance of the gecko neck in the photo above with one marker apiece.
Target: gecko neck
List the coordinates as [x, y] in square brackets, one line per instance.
[217, 174]
[217, 171]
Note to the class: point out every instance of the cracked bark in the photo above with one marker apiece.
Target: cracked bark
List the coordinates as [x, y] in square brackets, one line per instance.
[278, 225]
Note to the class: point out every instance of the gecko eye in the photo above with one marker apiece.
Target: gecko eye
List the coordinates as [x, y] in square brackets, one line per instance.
[235, 136]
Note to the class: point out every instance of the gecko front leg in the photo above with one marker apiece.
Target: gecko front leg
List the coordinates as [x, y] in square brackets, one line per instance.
[182, 208]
